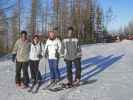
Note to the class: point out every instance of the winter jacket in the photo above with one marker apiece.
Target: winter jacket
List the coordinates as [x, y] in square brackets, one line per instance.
[71, 49]
[21, 49]
[35, 51]
[52, 47]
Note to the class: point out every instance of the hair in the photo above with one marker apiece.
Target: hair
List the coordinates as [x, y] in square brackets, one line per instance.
[23, 32]
[34, 36]
[51, 32]
[70, 28]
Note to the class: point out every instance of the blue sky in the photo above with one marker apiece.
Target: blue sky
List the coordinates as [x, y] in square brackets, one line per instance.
[122, 11]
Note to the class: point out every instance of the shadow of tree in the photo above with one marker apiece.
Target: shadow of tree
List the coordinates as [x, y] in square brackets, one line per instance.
[101, 67]
[99, 63]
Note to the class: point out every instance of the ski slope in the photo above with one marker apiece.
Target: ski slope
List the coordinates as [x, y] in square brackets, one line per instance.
[108, 68]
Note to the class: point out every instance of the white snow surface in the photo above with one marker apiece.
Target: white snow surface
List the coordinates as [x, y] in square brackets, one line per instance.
[108, 68]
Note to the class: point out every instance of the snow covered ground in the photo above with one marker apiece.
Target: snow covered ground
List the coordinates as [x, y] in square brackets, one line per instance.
[107, 67]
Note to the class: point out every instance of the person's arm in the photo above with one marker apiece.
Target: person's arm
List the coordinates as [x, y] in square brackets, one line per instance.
[15, 48]
[79, 50]
[14, 51]
[62, 48]
[59, 46]
[45, 50]
[41, 48]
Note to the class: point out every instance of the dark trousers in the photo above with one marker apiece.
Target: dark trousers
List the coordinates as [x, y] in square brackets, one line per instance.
[54, 70]
[77, 63]
[24, 67]
[35, 73]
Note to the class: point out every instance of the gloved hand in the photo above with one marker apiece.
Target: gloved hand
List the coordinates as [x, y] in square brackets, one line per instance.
[79, 54]
[57, 55]
[40, 56]
[46, 55]
[13, 57]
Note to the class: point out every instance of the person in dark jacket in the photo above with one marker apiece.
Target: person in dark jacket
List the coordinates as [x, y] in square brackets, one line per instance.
[72, 54]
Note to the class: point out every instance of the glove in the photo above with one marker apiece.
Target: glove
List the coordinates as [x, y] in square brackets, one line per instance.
[13, 57]
[57, 55]
[79, 54]
[46, 55]
[40, 56]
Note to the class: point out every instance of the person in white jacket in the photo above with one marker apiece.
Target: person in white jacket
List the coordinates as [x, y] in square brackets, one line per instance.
[52, 52]
[35, 56]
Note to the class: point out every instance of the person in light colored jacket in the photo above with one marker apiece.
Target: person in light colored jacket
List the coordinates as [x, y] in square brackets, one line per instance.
[20, 53]
[35, 56]
[52, 52]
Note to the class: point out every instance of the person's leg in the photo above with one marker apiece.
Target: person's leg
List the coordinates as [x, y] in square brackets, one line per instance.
[69, 71]
[51, 70]
[18, 73]
[39, 77]
[25, 73]
[77, 63]
[38, 74]
[56, 70]
[32, 70]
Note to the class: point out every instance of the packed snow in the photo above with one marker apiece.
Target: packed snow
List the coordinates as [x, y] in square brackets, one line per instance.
[108, 69]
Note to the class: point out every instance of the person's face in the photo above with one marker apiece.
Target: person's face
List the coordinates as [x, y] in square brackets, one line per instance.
[36, 40]
[70, 33]
[51, 35]
[23, 36]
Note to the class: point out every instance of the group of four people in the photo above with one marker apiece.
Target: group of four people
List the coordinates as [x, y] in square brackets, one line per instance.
[27, 53]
